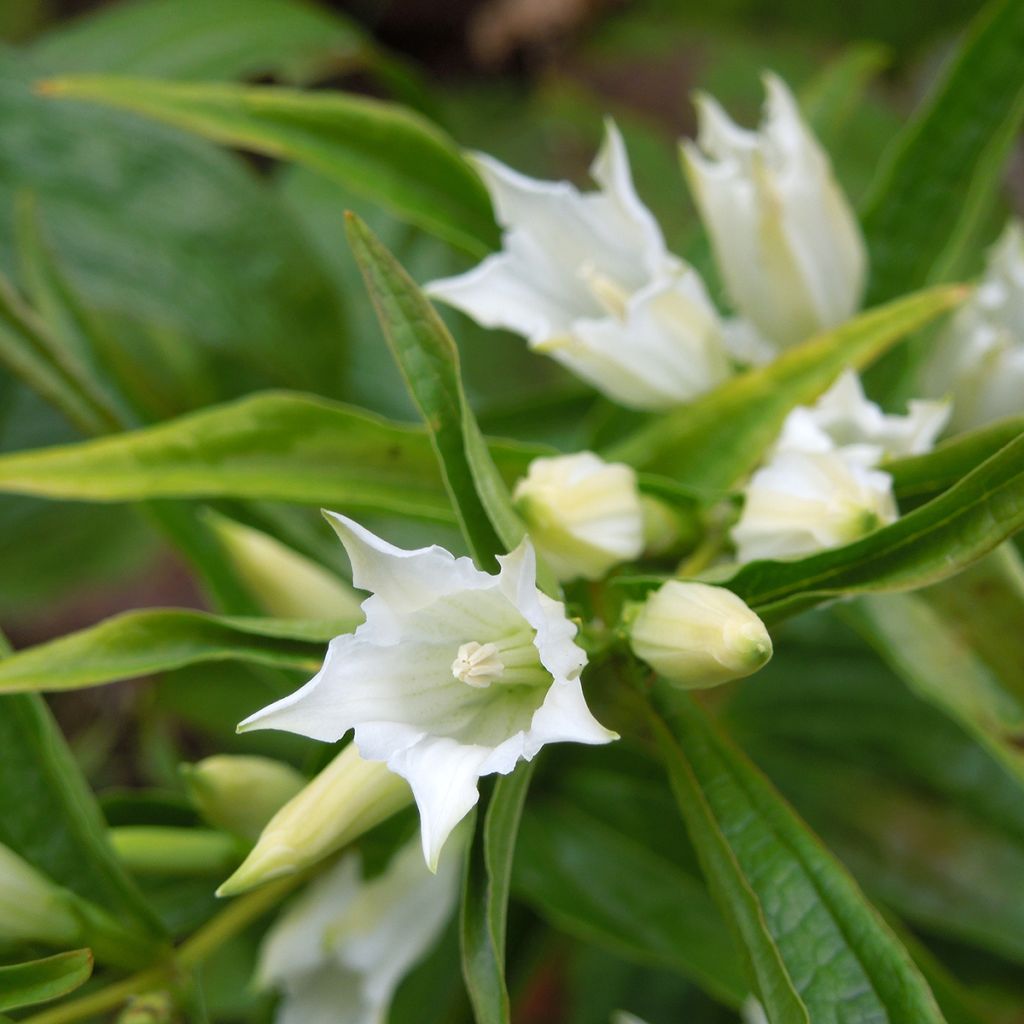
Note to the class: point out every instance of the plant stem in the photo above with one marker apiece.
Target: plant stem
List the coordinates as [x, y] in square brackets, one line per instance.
[192, 952]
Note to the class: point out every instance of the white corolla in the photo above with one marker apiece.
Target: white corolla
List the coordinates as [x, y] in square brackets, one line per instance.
[784, 237]
[587, 279]
[455, 674]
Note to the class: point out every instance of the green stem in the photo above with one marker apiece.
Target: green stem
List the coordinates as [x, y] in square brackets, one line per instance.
[190, 954]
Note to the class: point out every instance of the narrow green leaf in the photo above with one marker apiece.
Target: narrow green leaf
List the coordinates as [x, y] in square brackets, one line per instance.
[429, 361]
[167, 851]
[929, 544]
[39, 981]
[485, 896]
[603, 886]
[276, 446]
[818, 951]
[835, 92]
[140, 643]
[379, 150]
[941, 173]
[715, 440]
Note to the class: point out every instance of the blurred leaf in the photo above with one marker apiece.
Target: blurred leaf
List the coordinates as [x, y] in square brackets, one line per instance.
[211, 39]
[276, 446]
[429, 360]
[605, 886]
[929, 544]
[832, 95]
[380, 150]
[39, 981]
[484, 910]
[164, 850]
[140, 643]
[943, 170]
[712, 442]
[818, 950]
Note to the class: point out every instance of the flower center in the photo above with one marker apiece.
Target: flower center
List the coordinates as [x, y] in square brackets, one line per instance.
[512, 661]
[610, 295]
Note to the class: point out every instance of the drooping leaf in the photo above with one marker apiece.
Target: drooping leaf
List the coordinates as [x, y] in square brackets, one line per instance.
[379, 149]
[817, 949]
[39, 981]
[485, 896]
[140, 643]
[712, 442]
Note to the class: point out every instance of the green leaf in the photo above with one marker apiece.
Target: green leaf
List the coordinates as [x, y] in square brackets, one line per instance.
[712, 442]
[382, 151]
[929, 544]
[164, 850]
[603, 886]
[485, 895]
[941, 173]
[429, 361]
[817, 949]
[211, 39]
[141, 643]
[275, 446]
[39, 981]
[829, 99]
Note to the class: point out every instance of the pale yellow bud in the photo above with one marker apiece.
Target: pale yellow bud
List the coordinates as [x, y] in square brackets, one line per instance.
[239, 793]
[698, 636]
[32, 908]
[348, 798]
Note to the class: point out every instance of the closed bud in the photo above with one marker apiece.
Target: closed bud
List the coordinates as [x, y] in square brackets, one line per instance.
[583, 514]
[698, 636]
[32, 908]
[348, 798]
[240, 793]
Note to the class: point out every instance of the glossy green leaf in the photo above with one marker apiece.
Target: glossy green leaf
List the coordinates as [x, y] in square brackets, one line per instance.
[713, 441]
[380, 150]
[485, 895]
[429, 361]
[205, 39]
[603, 886]
[39, 981]
[942, 172]
[275, 446]
[929, 544]
[818, 951]
[141, 643]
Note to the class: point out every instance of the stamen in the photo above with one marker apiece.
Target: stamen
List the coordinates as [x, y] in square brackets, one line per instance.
[477, 664]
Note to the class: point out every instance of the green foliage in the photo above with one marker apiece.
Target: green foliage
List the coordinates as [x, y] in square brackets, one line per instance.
[39, 981]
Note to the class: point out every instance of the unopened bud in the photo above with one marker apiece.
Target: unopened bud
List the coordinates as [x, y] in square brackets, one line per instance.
[240, 793]
[583, 514]
[32, 908]
[348, 798]
[698, 636]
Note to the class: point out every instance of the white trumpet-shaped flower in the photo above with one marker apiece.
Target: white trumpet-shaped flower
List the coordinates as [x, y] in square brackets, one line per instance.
[784, 237]
[979, 358]
[583, 514]
[587, 279]
[455, 674]
[340, 950]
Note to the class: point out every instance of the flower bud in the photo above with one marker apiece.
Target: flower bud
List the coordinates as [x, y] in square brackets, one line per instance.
[348, 798]
[583, 514]
[32, 908]
[784, 237]
[238, 793]
[699, 636]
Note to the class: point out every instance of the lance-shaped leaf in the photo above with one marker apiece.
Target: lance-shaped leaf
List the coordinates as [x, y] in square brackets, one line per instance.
[380, 150]
[39, 981]
[140, 643]
[817, 950]
[429, 361]
[929, 544]
[275, 446]
[714, 441]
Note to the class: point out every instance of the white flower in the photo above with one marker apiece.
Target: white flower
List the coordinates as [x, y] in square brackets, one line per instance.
[753, 1011]
[844, 419]
[586, 278]
[341, 949]
[979, 358]
[785, 239]
[583, 514]
[455, 674]
[699, 636]
[802, 502]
